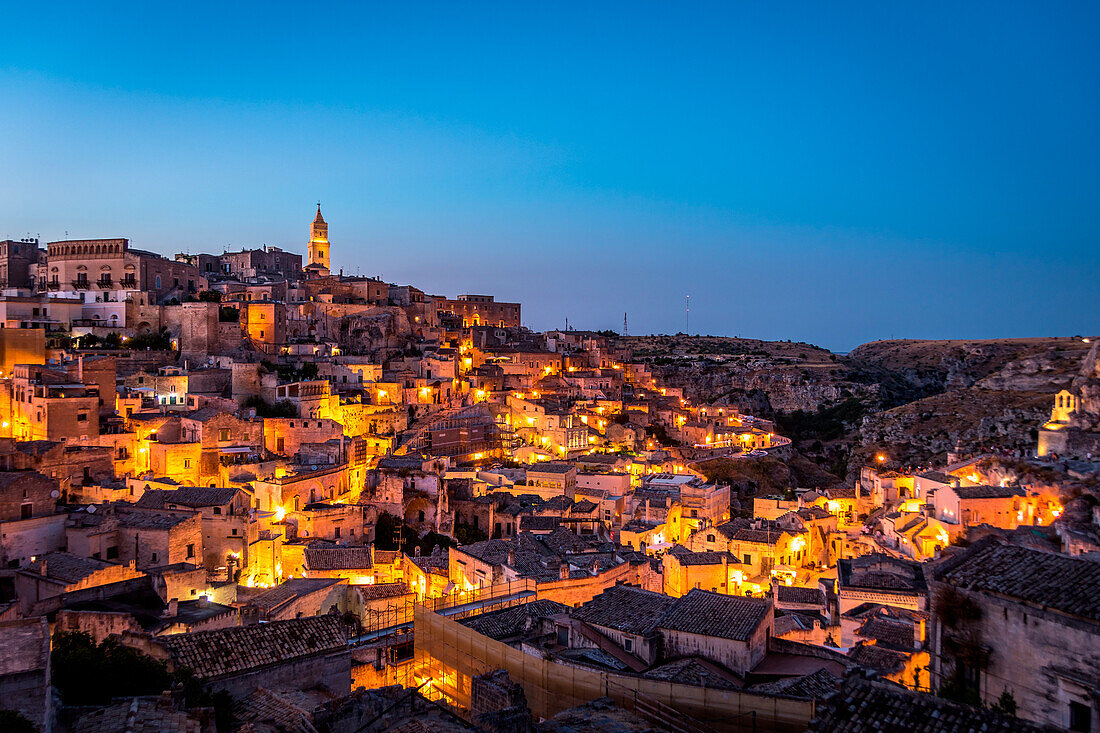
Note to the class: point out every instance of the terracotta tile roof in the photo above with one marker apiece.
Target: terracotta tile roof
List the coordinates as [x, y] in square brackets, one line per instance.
[356, 557]
[552, 467]
[789, 622]
[988, 492]
[265, 706]
[1067, 584]
[510, 622]
[879, 658]
[715, 614]
[625, 608]
[815, 685]
[841, 492]
[686, 557]
[562, 541]
[291, 589]
[861, 705]
[798, 594]
[881, 573]
[191, 496]
[435, 561]
[538, 524]
[887, 632]
[386, 557]
[134, 517]
[223, 652]
[378, 591]
[556, 503]
[138, 716]
[584, 506]
[696, 671]
[759, 536]
[66, 567]
[732, 527]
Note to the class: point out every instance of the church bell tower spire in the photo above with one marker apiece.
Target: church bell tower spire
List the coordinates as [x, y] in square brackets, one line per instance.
[318, 241]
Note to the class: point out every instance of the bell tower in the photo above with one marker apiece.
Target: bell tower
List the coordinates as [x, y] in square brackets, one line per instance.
[318, 240]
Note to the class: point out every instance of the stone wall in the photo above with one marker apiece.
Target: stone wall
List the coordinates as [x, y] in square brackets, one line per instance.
[575, 591]
[332, 671]
[100, 624]
[27, 494]
[20, 540]
[1044, 658]
[737, 656]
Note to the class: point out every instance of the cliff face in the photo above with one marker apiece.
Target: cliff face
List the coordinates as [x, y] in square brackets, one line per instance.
[993, 393]
[761, 377]
[766, 389]
[915, 399]
[917, 431]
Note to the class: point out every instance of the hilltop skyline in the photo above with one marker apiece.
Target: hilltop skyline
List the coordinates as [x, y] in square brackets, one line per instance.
[825, 176]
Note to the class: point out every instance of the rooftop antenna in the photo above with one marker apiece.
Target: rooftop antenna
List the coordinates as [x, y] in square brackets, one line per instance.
[626, 331]
[687, 314]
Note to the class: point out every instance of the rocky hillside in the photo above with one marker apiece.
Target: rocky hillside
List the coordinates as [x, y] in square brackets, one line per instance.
[914, 399]
[983, 393]
[1031, 364]
[763, 377]
[930, 427]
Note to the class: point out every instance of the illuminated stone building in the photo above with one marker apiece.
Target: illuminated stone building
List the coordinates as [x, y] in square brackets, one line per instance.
[109, 264]
[481, 310]
[1023, 621]
[46, 404]
[127, 533]
[18, 260]
[716, 571]
[266, 261]
[224, 518]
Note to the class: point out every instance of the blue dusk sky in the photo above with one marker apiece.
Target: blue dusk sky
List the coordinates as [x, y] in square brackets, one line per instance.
[827, 172]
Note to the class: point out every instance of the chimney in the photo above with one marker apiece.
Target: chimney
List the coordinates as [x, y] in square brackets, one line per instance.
[511, 557]
[42, 568]
[173, 608]
[563, 571]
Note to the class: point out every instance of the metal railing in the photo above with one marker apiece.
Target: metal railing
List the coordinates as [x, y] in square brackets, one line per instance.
[660, 714]
[378, 622]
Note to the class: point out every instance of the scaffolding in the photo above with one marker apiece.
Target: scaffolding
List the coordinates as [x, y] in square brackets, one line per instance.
[448, 655]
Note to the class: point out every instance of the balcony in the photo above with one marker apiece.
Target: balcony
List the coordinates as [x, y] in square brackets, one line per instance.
[128, 282]
[105, 283]
[80, 284]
